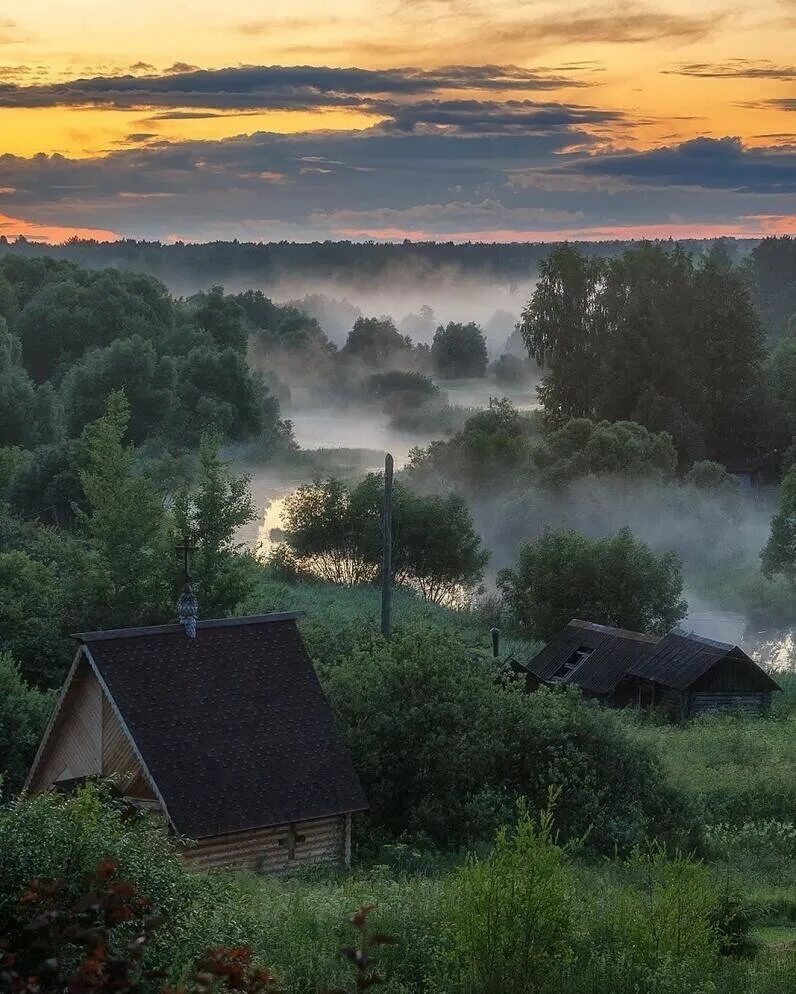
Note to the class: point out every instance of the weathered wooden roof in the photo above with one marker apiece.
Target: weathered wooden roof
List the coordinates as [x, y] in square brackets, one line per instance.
[679, 659]
[611, 652]
[233, 726]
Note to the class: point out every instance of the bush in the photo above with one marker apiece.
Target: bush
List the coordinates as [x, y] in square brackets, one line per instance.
[444, 749]
[510, 916]
[521, 919]
[23, 714]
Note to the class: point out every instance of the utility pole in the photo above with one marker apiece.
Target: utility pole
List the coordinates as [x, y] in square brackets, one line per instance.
[386, 562]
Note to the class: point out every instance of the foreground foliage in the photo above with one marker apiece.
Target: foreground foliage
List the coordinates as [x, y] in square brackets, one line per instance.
[524, 911]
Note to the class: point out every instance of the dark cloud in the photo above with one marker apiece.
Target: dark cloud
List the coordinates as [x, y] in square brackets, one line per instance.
[704, 162]
[180, 67]
[442, 181]
[782, 103]
[142, 67]
[734, 69]
[482, 117]
[273, 87]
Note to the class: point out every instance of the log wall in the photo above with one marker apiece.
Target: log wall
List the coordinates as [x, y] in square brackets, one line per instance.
[728, 701]
[327, 840]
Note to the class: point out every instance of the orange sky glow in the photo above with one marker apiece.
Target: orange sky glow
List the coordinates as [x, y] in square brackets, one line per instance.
[633, 77]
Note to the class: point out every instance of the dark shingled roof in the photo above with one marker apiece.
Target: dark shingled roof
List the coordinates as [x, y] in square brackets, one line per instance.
[612, 651]
[680, 659]
[233, 725]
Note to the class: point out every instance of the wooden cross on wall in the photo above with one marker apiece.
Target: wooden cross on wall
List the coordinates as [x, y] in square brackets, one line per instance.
[290, 840]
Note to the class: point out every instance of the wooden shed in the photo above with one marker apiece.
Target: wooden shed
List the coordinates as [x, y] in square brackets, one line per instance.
[224, 732]
[682, 673]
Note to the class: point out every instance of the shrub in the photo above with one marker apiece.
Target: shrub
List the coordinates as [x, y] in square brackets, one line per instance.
[24, 712]
[444, 748]
[510, 916]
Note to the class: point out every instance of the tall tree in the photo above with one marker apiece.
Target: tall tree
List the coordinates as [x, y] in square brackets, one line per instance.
[564, 329]
[209, 518]
[124, 524]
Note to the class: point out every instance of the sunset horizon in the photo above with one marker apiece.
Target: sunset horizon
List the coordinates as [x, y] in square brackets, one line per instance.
[428, 120]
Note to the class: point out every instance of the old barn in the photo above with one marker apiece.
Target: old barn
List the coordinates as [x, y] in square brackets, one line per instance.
[219, 727]
[684, 674]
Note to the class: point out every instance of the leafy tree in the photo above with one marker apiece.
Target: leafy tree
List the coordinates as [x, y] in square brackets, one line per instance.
[222, 318]
[781, 389]
[375, 342]
[623, 448]
[281, 326]
[437, 549]
[401, 391]
[779, 552]
[31, 613]
[612, 581]
[489, 452]
[47, 484]
[654, 337]
[665, 414]
[125, 525]
[64, 319]
[710, 476]
[335, 532]
[8, 299]
[130, 364]
[459, 351]
[218, 392]
[208, 517]
[729, 351]
[24, 711]
[27, 412]
[510, 371]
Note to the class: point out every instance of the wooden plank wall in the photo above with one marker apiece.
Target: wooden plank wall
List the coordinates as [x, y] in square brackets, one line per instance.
[260, 851]
[117, 752]
[728, 701]
[75, 744]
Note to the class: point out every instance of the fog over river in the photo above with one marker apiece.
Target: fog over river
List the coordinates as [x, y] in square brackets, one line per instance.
[361, 437]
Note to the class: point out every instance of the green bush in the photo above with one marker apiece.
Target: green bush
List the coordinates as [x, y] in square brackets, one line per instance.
[444, 748]
[24, 712]
[510, 917]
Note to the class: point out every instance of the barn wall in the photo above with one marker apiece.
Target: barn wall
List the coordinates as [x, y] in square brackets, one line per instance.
[327, 840]
[74, 747]
[728, 701]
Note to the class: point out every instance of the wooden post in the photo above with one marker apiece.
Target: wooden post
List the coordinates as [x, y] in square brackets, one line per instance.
[386, 563]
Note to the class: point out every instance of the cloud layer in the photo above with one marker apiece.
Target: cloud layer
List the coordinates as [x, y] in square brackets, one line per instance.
[466, 151]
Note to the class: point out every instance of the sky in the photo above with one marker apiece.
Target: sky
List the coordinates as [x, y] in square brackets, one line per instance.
[492, 120]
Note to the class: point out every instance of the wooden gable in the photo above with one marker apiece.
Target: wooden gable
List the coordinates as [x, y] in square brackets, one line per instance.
[86, 739]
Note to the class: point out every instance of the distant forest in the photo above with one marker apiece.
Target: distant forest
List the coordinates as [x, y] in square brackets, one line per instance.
[189, 267]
